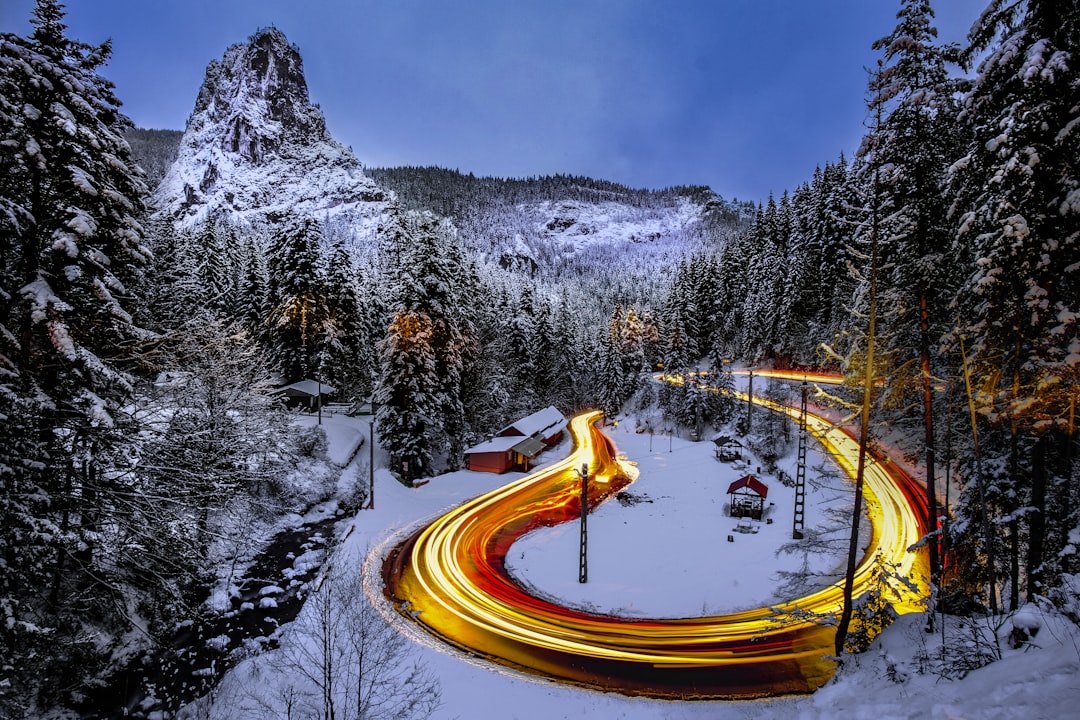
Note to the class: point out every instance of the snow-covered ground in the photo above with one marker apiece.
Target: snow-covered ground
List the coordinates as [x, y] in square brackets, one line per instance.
[663, 550]
[667, 554]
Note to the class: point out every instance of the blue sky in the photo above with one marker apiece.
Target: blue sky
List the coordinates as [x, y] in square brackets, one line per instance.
[745, 96]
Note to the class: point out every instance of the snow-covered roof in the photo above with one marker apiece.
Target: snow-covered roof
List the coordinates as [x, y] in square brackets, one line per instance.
[751, 482]
[722, 440]
[528, 446]
[306, 387]
[547, 421]
[498, 444]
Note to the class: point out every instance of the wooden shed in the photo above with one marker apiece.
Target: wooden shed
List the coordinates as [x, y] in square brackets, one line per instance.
[503, 453]
[747, 497]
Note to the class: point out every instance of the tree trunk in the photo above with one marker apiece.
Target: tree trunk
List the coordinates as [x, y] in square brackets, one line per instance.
[864, 431]
[1014, 524]
[1014, 564]
[980, 485]
[1037, 518]
[928, 435]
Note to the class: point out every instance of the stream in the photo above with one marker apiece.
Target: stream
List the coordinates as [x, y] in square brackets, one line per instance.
[157, 684]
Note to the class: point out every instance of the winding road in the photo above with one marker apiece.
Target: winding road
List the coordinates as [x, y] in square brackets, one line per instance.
[449, 577]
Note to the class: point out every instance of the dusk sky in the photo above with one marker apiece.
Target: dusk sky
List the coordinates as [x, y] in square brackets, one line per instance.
[745, 96]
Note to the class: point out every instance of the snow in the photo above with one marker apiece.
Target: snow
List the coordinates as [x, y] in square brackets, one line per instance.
[670, 557]
[344, 434]
[678, 506]
[574, 226]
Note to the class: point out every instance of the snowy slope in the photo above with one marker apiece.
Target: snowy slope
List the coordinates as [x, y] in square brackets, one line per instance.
[551, 222]
[255, 145]
[571, 226]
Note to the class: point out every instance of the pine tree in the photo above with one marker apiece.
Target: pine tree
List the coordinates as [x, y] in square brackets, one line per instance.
[70, 247]
[343, 336]
[519, 333]
[217, 251]
[251, 294]
[917, 135]
[423, 356]
[296, 297]
[1017, 211]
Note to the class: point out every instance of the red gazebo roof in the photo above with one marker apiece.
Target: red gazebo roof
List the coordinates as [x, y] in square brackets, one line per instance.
[749, 481]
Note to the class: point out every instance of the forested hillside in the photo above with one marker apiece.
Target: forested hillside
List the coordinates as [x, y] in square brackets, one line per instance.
[154, 151]
[141, 330]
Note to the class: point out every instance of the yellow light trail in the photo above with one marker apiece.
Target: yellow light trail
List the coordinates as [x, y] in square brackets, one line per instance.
[451, 574]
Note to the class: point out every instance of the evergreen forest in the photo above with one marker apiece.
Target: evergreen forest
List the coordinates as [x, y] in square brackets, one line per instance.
[141, 448]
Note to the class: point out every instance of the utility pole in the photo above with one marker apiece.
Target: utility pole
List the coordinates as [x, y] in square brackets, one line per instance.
[800, 474]
[583, 552]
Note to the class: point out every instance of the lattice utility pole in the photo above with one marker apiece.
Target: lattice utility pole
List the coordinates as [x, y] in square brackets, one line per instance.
[583, 554]
[800, 474]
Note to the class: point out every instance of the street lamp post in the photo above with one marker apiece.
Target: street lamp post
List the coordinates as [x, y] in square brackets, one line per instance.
[583, 560]
[371, 456]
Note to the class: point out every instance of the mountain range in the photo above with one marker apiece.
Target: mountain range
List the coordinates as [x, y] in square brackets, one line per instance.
[255, 146]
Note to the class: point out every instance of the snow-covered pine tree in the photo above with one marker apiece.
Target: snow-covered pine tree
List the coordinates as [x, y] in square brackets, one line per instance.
[518, 339]
[764, 279]
[251, 293]
[344, 336]
[419, 392]
[1017, 209]
[553, 366]
[296, 297]
[218, 253]
[835, 229]
[918, 135]
[70, 245]
[728, 307]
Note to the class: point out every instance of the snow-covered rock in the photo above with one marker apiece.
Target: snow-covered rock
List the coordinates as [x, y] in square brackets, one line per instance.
[255, 146]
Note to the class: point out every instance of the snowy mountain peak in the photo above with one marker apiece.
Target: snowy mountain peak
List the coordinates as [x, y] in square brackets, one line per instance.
[255, 145]
[256, 95]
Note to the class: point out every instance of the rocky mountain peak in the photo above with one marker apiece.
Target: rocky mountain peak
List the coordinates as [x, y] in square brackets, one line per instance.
[256, 94]
[255, 145]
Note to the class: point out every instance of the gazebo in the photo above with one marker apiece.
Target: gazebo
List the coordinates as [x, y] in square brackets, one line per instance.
[727, 448]
[747, 497]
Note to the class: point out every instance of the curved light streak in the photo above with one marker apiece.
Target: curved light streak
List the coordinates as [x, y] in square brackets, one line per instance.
[450, 578]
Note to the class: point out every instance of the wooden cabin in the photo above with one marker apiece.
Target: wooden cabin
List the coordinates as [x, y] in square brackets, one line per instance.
[305, 393]
[503, 453]
[517, 445]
